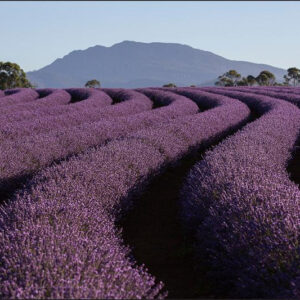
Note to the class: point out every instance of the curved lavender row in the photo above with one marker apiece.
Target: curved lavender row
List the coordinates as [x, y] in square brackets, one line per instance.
[89, 95]
[51, 97]
[201, 97]
[177, 105]
[86, 99]
[292, 90]
[2, 94]
[16, 96]
[48, 105]
[242, 207]
[206, 101]
[31, 153]
[139, 103]
[66, 214]
[291, 97]
[73, 247]
[177, 137]
[119, 95]
[83, 98]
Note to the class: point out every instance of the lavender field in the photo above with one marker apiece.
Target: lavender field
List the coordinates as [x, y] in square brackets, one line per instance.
[150, 193]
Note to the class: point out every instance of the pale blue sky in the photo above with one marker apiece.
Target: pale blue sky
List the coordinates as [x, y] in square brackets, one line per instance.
[34, 34]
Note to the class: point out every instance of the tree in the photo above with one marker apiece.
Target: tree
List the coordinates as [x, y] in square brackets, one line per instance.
[293, 75]
[172, 85]
[251, 80]
[242, 82]
[280, 84]
[287, 80]
[92, 84]
[224, 81]
[266, 78]
[12, 76]
[229, 78]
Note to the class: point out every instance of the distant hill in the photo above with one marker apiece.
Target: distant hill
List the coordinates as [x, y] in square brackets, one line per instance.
[134, 64]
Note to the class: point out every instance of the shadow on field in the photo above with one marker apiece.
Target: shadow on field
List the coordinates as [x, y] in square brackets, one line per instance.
[155, 234]
[10, 185]
[153, 230]
[293, 167]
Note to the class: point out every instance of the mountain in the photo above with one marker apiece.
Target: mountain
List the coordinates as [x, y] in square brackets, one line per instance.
[134, 64]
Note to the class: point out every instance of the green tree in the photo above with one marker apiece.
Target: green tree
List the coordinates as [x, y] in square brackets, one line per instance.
[251, 80]
[266, 78]
[224, 81]
[242, 82]
[287, 80]
[172, 85]
[12, 76]
[92, 84]
[293, 75]
[229, 78]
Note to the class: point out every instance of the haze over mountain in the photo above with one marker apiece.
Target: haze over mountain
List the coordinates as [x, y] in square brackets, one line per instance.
[133, 64]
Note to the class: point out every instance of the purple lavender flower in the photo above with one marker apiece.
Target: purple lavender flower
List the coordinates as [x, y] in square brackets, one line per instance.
[242, 208]
[16, 96]
[58, 236]
[94, 108]
[288, 95]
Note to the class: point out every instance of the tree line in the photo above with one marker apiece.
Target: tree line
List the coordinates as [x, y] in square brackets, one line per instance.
[264, 78]
[12, 76]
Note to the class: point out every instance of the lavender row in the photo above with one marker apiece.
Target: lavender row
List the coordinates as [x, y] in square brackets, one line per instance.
[292, 90]
[243, 209]
[78, 97]
[291, 97]
[16, 96]
[30, 153]
[49, 104]
[88, 114]
[51, 97]
[58, 237]
[206, 101]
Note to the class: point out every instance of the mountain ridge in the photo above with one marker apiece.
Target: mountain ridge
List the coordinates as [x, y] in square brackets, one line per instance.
[132, 64]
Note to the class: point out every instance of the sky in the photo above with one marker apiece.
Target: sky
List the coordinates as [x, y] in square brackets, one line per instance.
[34, 34]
